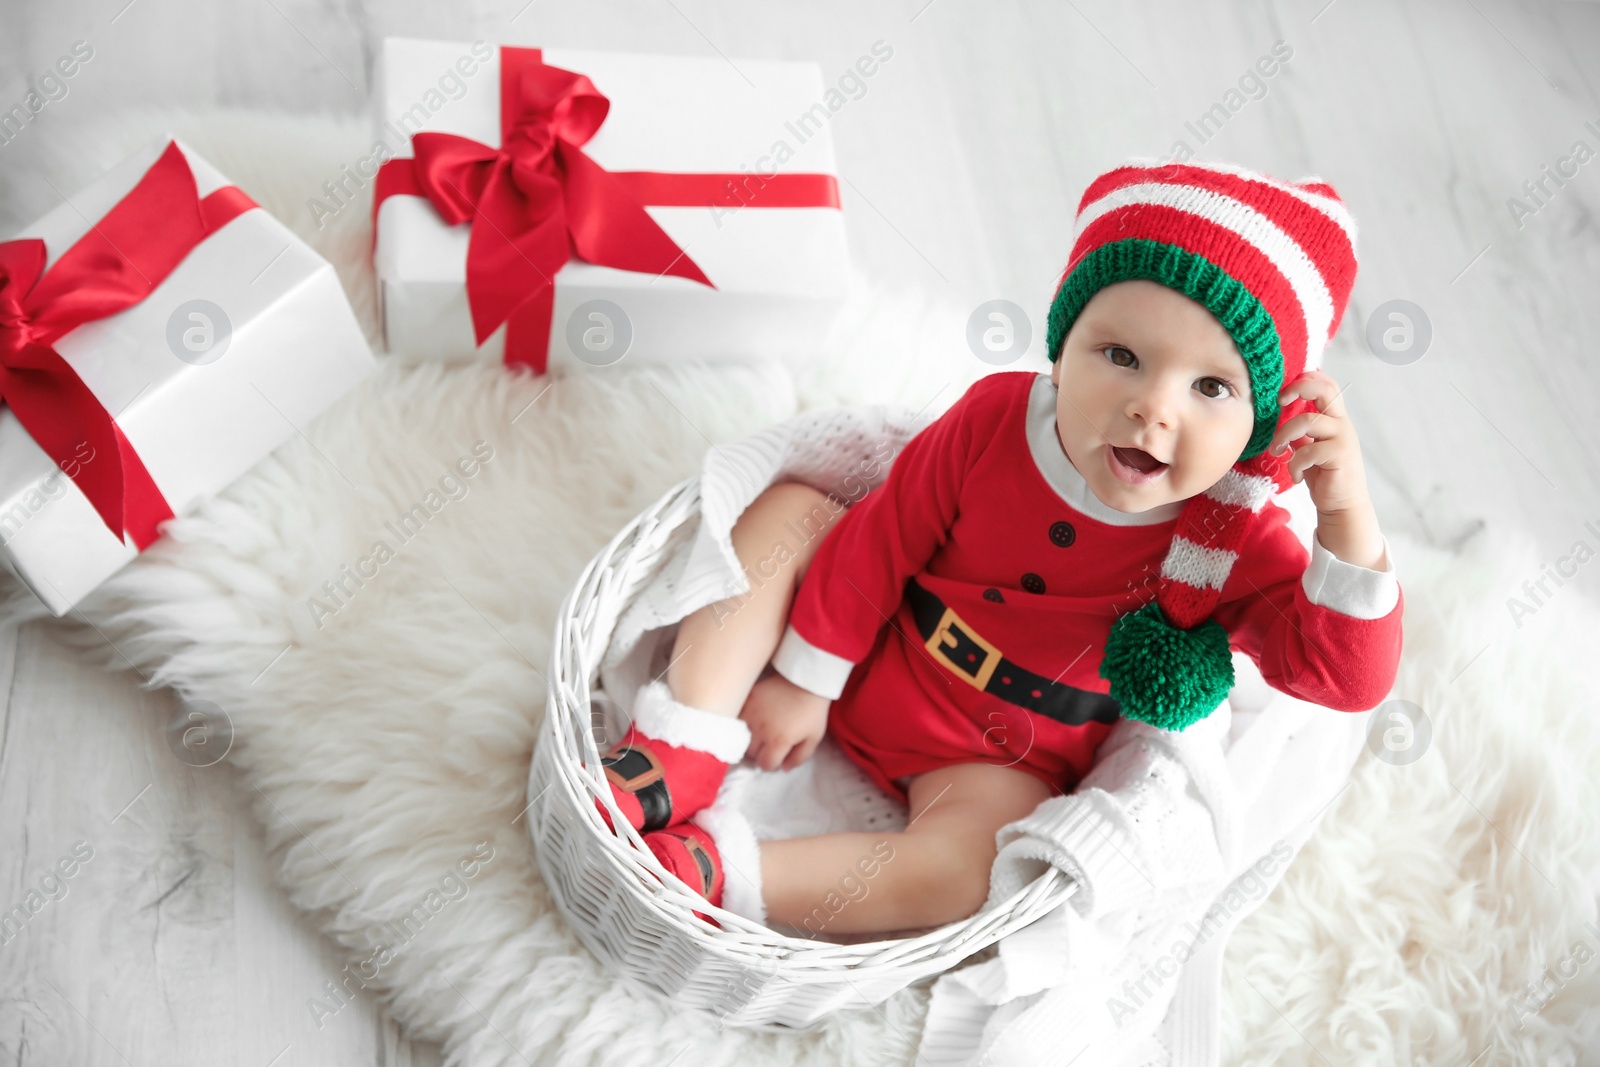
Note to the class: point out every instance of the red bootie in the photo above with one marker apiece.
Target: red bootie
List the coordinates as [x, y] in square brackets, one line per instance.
[688, 852]
[672, 760]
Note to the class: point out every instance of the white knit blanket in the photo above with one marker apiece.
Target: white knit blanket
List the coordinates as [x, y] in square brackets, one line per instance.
[1172, 838]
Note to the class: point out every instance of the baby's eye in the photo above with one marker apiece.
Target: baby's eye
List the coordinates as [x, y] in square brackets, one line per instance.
[1227, 390]
[1118, 348]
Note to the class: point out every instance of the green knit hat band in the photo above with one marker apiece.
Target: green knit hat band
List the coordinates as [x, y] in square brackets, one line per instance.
[1231, 302]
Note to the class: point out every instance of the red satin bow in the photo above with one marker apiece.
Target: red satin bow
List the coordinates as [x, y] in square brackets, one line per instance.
[114, 266]
[538, 199]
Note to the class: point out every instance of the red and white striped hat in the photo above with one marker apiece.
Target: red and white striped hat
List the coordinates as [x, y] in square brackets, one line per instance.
[1274, 261]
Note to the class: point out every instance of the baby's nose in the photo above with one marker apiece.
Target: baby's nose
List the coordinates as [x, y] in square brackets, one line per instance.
[1155, 405]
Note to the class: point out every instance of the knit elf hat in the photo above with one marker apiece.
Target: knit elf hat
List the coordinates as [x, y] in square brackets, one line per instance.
[1274, 261]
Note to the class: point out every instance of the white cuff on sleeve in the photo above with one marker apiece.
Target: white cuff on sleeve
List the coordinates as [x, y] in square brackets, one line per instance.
[1360, 592]
[1087, 835]
[810, 667]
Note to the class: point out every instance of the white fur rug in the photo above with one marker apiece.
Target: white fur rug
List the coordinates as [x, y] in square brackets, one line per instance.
[397, 734]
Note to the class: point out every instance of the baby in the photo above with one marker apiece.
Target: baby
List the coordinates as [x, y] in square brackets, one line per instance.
[1054, 552]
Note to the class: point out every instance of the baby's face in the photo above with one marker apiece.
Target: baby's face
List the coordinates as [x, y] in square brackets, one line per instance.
[1146, 368]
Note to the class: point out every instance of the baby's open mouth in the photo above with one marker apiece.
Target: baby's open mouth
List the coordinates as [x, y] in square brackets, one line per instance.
[1138, 459]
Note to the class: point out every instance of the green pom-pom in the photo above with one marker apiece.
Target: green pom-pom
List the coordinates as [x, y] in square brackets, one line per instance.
[1167, 677]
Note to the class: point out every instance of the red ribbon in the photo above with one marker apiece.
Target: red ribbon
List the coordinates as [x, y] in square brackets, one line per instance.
[114, 266]
[541, 201]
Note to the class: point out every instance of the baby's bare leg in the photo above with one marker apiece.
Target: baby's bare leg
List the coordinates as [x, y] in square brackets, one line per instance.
[722, 648]
[934, 872]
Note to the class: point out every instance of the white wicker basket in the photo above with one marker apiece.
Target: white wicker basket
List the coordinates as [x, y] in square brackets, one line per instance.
[616, 894]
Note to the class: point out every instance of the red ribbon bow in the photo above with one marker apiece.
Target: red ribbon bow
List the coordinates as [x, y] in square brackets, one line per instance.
[540, 200]
[119, 262]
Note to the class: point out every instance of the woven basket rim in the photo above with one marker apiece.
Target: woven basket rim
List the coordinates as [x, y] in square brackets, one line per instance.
[567, 741]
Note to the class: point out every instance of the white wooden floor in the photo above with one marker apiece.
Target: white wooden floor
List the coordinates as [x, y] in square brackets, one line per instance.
[964, 160]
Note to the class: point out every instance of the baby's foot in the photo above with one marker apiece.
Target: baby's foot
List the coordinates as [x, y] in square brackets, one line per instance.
[671, 762]
[689, 852]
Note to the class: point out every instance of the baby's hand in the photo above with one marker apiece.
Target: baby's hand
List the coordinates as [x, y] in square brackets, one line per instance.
[786, 723]
[1327, 454]
[1331, 466]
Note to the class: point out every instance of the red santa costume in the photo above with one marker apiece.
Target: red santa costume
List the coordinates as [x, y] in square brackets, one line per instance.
[983, 605]
[958, 612]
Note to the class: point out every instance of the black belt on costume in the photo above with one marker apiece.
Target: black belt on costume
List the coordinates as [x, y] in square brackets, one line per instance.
[975, 661]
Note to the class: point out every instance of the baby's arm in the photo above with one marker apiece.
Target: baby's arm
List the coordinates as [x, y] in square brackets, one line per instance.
[858, 575]
[1327, 627]
[1319, 628]
[1328, 632]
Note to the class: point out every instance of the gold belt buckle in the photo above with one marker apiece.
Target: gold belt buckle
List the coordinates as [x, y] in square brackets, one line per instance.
[941, 635]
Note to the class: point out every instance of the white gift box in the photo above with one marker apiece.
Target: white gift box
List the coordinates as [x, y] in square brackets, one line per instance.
[285, 346]
[780, 272]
